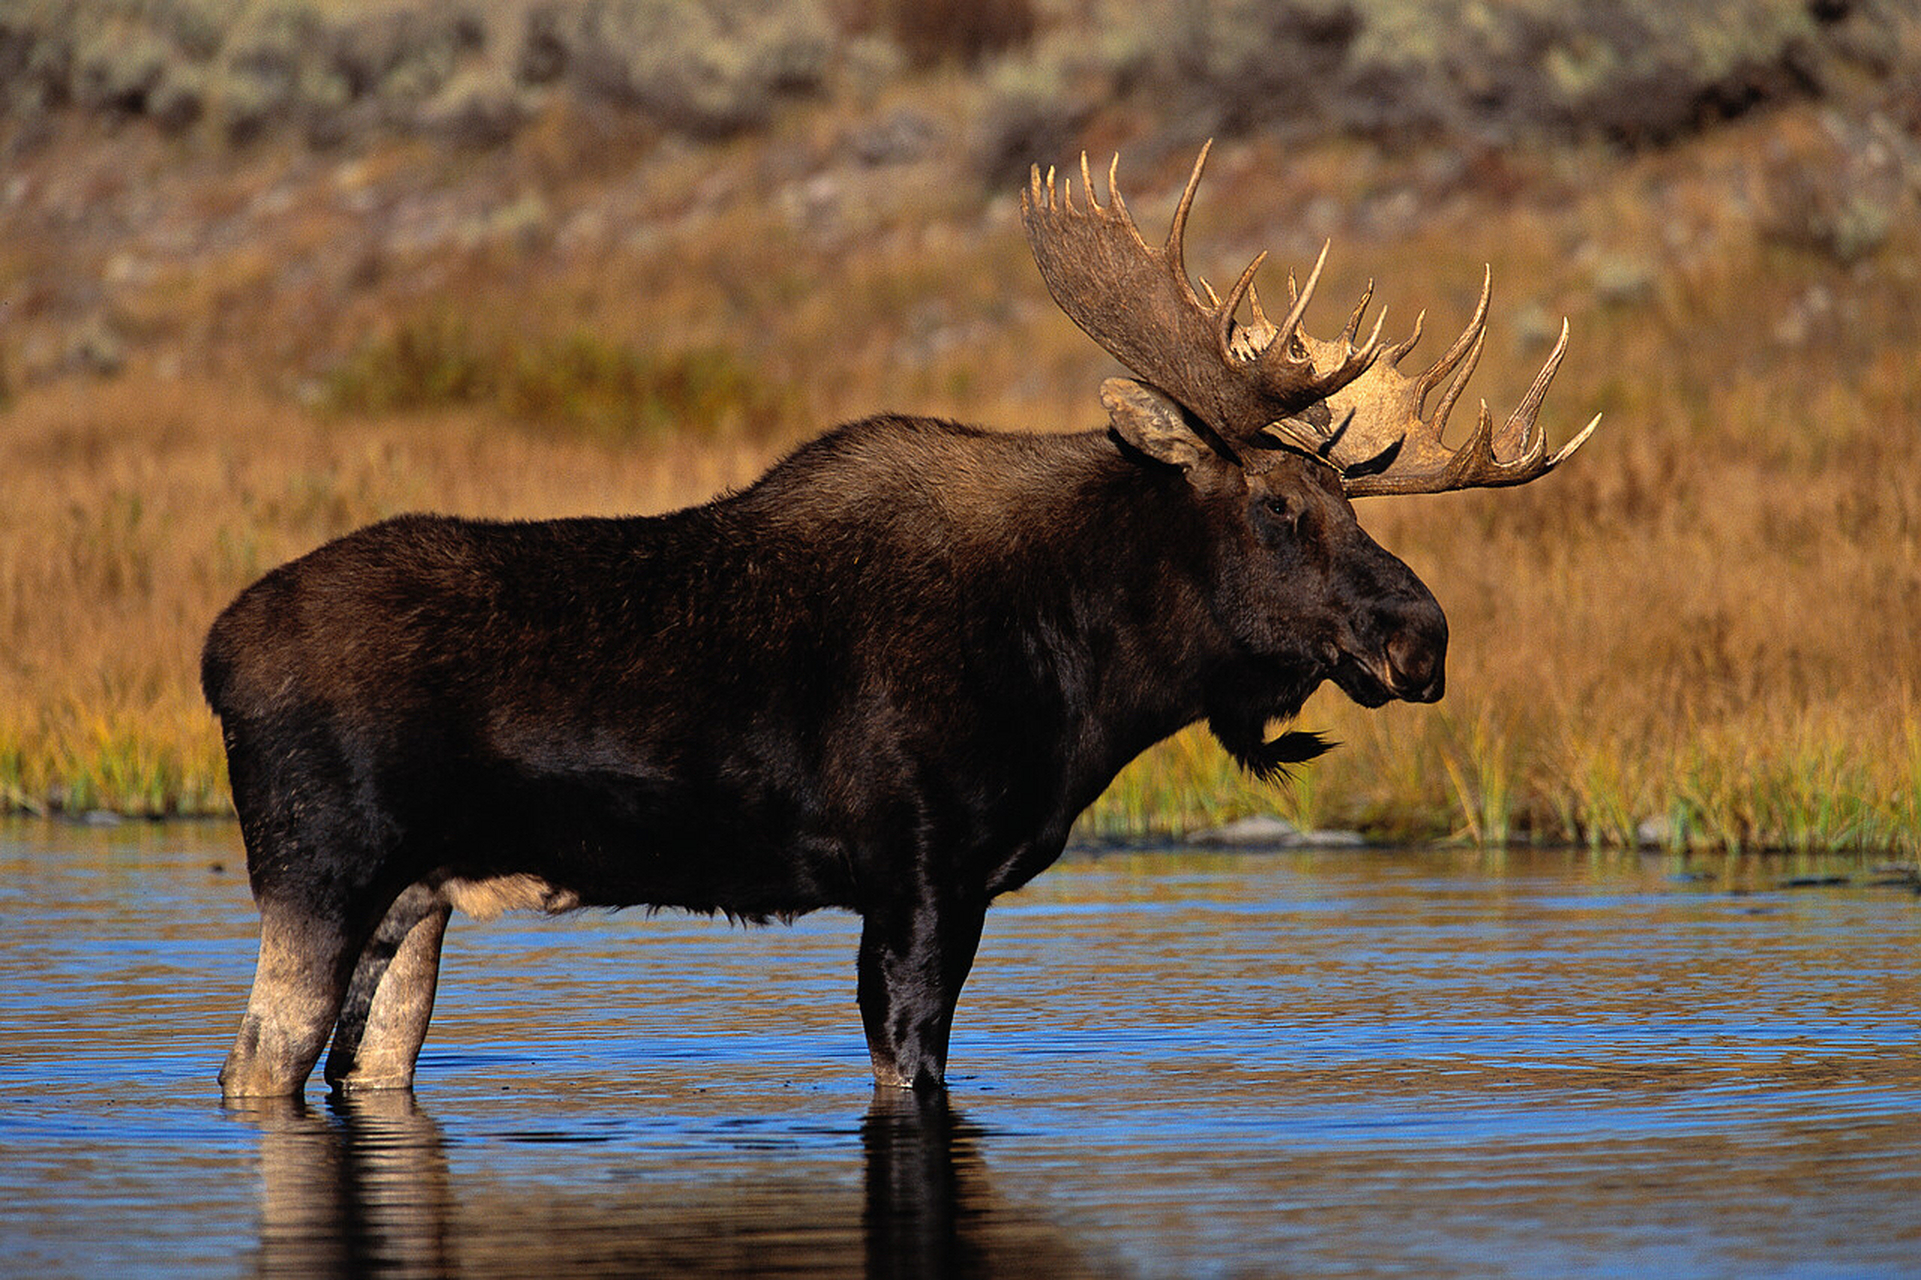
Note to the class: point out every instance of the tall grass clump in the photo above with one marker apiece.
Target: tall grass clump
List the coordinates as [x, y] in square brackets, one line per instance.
[432, 362]
[617, 392]
[578, 382]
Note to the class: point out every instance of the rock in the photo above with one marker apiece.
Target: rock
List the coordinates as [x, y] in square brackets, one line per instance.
[1330, 838]
[1265, 831]
[1261, 829]
[901, 138]
[1621, 280]
[475, 109]
[96, 349]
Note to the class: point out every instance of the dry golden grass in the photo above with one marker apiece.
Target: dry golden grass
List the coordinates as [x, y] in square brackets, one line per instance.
[138, 507]
[1707, 622]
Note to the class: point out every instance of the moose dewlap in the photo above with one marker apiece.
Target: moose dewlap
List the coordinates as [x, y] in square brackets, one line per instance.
[886, 677]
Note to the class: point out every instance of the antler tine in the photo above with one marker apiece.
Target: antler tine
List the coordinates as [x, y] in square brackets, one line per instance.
[1299, 309]
[1373, 344]
[1353, 325]
[1516, 430]
[1561, 455]
[1044, 194]
[1476, 329]
[1397, 353]
[1438, 427]
[1374, 339]
[1224, 311]
[1117, 205]
[1477, 455]
[1177, 230]
[1320, 368]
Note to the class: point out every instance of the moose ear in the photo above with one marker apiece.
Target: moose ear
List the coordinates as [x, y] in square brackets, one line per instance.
[1151, 423]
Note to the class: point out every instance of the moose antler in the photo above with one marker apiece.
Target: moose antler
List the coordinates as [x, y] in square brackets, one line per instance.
[1246, 381]
[1137, 302]
[1381, 443]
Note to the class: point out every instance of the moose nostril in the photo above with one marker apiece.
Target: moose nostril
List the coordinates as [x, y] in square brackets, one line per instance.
[1414, 662]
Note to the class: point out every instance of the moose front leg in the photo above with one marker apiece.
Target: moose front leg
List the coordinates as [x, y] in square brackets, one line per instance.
[914, 956]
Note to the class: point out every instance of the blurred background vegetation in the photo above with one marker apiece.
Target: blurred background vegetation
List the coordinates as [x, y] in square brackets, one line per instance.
[273, 268]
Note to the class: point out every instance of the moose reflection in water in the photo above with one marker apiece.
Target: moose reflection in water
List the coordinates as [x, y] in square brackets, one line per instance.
[365, 1186]
[887, 677]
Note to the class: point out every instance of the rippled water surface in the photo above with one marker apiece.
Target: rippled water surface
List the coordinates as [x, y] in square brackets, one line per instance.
[1167, 1064]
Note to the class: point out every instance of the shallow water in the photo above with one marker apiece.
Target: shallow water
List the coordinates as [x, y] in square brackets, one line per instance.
[1166, 1064]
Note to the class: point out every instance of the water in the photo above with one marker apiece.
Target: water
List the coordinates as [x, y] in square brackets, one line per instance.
[1169, 1064]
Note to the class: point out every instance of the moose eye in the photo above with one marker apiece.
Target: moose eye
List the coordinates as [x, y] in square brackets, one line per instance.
[1283, 522]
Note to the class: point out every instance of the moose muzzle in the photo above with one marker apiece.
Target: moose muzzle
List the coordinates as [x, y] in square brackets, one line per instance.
[1417, 655]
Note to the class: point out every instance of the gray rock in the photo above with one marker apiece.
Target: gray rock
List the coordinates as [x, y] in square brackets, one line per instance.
[1330, 838]
[1265, 831]
[1260, 830]
[901, 138]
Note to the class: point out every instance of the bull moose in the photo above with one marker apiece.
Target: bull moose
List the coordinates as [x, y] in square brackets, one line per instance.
[886, 677]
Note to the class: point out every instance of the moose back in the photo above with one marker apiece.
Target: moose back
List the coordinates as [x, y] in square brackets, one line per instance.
[886, 677]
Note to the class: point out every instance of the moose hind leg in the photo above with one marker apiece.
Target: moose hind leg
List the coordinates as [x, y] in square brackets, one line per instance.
[383, 1020]
[299, 982]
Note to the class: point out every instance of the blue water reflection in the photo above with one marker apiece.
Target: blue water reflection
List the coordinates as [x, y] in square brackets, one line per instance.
[1167, 1064]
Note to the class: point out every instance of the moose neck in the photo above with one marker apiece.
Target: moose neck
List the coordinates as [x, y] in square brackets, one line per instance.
[1076, 585]
[1142, 643]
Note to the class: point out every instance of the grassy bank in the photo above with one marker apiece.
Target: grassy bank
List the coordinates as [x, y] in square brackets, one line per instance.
[1701, 633]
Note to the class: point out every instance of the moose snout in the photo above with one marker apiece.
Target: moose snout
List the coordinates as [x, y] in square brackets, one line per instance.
[1417, 657]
